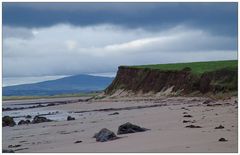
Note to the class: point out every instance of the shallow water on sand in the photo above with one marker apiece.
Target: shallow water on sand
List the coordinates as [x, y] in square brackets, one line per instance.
[56, 115]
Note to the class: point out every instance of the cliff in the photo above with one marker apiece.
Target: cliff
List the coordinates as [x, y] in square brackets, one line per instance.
[145, 80]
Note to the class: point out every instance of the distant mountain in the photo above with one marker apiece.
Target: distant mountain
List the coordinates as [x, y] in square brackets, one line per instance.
[71, 84]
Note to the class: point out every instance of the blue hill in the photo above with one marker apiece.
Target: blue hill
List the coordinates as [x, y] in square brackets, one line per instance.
[71, 84]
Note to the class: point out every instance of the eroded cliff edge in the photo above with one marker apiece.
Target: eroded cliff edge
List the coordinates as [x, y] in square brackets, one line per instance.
[178, 82]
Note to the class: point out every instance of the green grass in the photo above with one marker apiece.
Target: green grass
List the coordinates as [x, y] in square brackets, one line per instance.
[6, 98]
[197, 67]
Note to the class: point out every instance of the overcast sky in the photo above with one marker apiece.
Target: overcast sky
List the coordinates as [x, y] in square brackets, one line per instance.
[48, 39]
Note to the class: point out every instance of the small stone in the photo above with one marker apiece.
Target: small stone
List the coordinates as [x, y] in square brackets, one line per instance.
[69, 118]
[193, 126]
[115, 113]
[207, 102]
[79, 141]
[187, 116]
[185, 121]
[219, 127]
[222, 140]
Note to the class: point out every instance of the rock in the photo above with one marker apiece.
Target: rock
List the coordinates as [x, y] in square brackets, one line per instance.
[222, 140]
[24, 122]
[40, 105]
[187, 115]
[130, 128]
[28, 116]
[69, 118]
[105, 135]
[211, 105]
[193, 126]
[207, 102]
[185, 121]
[219, 127]
[39, 119]
[14, 146]
[8, 121]
[7, 151]
[51, 104]
[184, 108]
[6, 109]
[115, 113]
[79, 141]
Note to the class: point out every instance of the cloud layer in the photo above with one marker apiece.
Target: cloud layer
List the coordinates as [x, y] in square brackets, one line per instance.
[217, 18]
[64, 49]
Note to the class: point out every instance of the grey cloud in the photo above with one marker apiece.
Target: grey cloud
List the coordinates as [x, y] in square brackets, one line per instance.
[65, 49]
[19, 32]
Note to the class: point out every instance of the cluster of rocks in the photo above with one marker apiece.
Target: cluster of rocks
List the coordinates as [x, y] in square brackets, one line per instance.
[106, 135]
[9, 121]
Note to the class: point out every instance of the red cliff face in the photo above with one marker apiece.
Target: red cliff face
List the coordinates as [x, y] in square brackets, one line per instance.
[154, 80]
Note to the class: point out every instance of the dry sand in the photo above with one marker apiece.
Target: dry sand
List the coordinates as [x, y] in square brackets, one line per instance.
[167, 131]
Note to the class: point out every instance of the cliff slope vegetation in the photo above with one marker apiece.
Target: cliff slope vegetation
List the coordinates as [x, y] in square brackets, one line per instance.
[181, 78]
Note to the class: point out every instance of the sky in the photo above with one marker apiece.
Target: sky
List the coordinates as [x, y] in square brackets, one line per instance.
[58, 39]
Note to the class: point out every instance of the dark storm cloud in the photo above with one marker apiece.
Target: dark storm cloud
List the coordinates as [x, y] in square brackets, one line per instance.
[217, 18]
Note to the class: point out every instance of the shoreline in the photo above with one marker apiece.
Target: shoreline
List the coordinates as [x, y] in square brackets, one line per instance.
[167, 131]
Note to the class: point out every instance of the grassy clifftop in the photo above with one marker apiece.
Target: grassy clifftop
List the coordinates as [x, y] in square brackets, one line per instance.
[196, 67]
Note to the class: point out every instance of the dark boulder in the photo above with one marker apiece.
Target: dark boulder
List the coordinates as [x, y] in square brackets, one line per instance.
[39, 119]
[8, 121]
[69, 118]
[105, 135]
[130, 128]
[24, 122]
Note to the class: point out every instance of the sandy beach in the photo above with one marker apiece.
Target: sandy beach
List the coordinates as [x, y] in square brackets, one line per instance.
[164, 117]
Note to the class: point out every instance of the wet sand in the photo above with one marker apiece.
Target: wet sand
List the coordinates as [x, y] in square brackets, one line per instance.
[165, 119]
